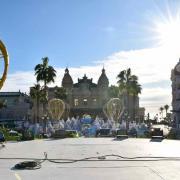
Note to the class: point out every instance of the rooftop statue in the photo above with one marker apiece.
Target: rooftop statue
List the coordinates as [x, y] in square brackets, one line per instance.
[4, 56]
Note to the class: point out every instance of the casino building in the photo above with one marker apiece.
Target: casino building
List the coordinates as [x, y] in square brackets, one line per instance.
[85, 96]
[88, 97]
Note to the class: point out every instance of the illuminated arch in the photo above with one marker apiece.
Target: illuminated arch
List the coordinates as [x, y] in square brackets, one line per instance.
[5, 57]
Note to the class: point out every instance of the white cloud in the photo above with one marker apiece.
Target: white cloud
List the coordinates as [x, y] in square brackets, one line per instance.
[19, 81]
[151, 65]
[154, 98]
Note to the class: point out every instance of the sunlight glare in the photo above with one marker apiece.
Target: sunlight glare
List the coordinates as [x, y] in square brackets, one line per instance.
[168, 33]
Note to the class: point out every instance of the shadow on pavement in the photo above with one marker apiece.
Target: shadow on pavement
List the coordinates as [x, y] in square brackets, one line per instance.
[156, 140]
[120, 139]
[53, 139]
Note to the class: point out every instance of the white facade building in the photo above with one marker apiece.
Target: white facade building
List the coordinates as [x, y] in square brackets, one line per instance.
[175, 78]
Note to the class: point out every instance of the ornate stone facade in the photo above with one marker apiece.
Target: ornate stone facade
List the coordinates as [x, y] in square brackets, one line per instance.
[175, 78]
[17, 106]
[85, 96]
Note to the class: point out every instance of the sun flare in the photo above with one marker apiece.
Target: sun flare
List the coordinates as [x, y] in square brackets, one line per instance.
[168, 33]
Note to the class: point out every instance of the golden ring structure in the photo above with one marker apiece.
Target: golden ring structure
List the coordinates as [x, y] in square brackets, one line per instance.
[4, 55]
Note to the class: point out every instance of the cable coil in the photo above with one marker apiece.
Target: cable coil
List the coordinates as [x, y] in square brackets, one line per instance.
[30, 165]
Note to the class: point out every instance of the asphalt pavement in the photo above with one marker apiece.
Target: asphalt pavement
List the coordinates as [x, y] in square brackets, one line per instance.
[154, 159]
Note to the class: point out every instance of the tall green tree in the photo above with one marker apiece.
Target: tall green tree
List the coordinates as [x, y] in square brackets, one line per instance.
[135, 90]
[37, 93]
[46, 74]
[166, 107]
[125, 84]
[128, 84]
[113, 91]
[60, 93]
[161, 111]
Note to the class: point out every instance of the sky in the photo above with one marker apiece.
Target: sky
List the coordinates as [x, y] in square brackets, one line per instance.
[86, 35]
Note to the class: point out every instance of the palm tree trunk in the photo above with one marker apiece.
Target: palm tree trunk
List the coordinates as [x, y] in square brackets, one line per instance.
[35, 120]
[134, 107]
[45, 110]
[127, 120]
[37, 110]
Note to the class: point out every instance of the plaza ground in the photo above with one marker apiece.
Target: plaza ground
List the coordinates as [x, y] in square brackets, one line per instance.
[78, 148]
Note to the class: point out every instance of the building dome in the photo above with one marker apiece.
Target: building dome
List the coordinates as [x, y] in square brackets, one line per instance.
[103, 80]
[67, 81]
[177, 68]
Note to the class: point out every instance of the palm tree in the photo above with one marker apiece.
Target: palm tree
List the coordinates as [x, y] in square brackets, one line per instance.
[161, 111]
[37, 94]
[166, 107]
[45, 73]
[128, 85]
[135, 91]
[125, 84]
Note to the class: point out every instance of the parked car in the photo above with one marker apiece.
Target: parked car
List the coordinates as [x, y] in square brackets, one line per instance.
[71, 134]
[14, 136]
[143, 131]
[132, 132]
[156, 132]
[2, 137]
[104, 132]
[121, 133]
[163, 128]
[59, 134]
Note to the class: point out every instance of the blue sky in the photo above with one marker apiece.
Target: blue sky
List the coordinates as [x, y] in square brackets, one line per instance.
[76, 32]
[85, 35]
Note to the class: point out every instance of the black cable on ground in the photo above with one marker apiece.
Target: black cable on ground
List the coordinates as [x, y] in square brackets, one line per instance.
[35, 163]
[30, 165]
[2, 144]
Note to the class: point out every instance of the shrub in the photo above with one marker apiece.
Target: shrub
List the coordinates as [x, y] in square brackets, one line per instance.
[9, 137]
[71, 134]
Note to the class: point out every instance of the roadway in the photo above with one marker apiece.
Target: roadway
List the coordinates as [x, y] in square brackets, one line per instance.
[78, 148]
